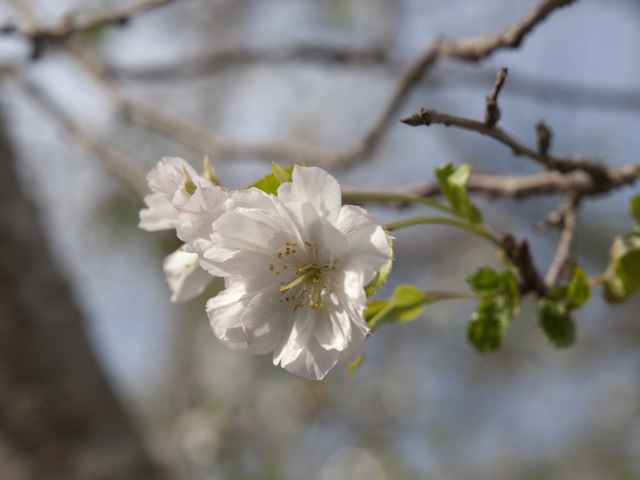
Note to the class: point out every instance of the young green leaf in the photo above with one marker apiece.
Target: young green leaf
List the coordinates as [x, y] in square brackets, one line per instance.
[487, 326]
[406, 304]
[556, 322]
[270, 183]
[499, 303]
[453, 183]
[578, 290]
[622, 278]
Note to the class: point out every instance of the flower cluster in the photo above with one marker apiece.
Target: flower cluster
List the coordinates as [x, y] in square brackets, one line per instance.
[295, 264]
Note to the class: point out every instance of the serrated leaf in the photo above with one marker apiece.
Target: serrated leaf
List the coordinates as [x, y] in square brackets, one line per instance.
[453, 183]
[635, 208]
[556, 323]
[270, 183]
[622, 278]
[487, 327]
[499, 303]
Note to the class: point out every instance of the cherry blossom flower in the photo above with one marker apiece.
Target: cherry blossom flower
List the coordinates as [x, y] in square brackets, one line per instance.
[171, 205]
[295, 268]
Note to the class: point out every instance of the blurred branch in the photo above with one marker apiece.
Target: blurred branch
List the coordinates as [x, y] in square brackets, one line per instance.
[215, 62]
[567, 223]
[42, 36]
[189, 132]
[118, 163]
[477, 48]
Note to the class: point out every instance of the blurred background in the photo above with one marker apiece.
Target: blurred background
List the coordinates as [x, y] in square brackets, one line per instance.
[83, 124]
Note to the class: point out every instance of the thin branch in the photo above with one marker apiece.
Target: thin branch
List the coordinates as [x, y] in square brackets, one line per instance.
[492, 113]
[510, 186]
[215, 62]
[43, 36]
[470, 49]
[115, 161]
[477, 48]
[560, 163]
[568, 228]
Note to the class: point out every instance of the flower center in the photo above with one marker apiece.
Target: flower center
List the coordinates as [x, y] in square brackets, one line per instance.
[311, 282]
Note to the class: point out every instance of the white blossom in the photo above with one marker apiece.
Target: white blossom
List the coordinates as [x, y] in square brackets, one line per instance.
[171, 205]
[295, 268]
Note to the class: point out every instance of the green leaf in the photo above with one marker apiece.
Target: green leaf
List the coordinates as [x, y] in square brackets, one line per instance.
[622, 278]
[382, 276]
[487, 326]
[556, 322]
[499, 303]
[406, 304]
[282, 174]
[453, 183]
[635, 208]
[578, 290]
[270, 183]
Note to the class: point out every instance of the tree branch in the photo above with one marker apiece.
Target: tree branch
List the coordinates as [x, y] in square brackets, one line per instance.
[568, 223]
[42, 36]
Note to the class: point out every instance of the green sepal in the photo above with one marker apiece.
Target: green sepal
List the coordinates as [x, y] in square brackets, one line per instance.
[188, 184]
[269, 184]
[209, 171]
[499, 303]
[556, 322]
[355, 365]
[622, 278]
[406, 304]
[282, 174]
[453, 183]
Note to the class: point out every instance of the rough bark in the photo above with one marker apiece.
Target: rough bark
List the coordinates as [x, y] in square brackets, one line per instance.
[58, 413]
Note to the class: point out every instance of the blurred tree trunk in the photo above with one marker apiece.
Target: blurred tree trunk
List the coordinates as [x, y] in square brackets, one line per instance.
[59, 418]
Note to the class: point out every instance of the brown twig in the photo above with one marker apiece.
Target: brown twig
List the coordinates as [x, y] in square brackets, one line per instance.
[492, 112]
[560, 163]
[568, 223]
[477, 48]
[544, 136]
[519, 254]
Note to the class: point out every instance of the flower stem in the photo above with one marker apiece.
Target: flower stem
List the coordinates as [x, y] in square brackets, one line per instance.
[394, 197]
[478, 229]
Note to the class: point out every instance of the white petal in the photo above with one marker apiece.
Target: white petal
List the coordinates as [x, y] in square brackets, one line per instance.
[312, 184]
[164, 180]
[333, 332]
[184, 275]
[196, 216]
[160, 214]
[241, 243]
[247, 316]
[368, 248]
[312, 362]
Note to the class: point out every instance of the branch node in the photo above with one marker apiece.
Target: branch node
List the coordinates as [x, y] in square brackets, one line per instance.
[492, 113]
[544, 135]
